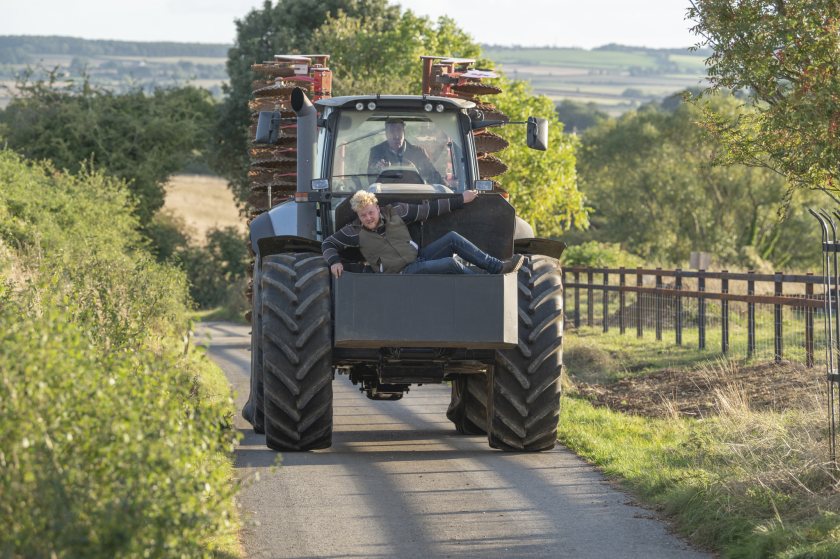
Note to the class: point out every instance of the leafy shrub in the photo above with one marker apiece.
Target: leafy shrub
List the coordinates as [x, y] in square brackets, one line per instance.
[108, 445]
[213, 269]
[600, 255]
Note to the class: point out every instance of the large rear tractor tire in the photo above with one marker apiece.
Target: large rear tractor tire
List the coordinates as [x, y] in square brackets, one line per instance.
[468, 406]
[525, 404]
[297, 351]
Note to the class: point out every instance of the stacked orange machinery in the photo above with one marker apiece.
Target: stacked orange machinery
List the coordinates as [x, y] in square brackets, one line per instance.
[455, 77]
[272, 174]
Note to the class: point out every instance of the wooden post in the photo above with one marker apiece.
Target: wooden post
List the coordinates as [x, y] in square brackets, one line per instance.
[809, 325]
[565, 302]
[590, 308]
[750, 318]
[577, 299]
[777, 319]
[658, 306]
[605, 318]
[621, 300]
[639, 332]
[678, 308]
[701, 311]
[724, 315]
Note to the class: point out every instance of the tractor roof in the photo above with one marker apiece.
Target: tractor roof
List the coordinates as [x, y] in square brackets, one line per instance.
[393, 101]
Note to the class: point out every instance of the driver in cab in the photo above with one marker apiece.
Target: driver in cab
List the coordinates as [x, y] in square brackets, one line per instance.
[396, 151]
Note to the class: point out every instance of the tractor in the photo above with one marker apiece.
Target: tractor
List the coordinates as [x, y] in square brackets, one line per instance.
[495, 338]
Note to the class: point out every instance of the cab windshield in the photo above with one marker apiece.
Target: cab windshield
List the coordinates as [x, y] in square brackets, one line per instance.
[418, 150]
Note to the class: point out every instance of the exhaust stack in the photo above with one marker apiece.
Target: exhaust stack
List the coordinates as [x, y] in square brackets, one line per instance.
[307, 134]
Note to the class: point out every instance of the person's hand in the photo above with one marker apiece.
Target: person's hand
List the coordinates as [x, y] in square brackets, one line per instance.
[336, 269]
[470, 195]
[381, 164]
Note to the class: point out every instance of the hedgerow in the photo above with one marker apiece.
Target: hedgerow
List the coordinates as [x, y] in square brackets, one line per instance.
[109, 446]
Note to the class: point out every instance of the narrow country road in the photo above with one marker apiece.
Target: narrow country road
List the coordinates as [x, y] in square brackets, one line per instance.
[398, 482]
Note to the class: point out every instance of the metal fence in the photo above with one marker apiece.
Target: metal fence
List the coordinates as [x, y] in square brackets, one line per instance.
[831, 318]
[764, 316]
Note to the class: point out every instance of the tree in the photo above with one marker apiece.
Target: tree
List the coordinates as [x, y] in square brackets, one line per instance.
[285, 27]
[650, 178]
[784, 53]
[377, 48]
[542, 185]
[384, 56]
[577, 117]
[137, 137]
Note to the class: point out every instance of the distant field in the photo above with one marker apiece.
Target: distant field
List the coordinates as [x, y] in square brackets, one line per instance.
[568, 57]
[204, 202]
[614, 80]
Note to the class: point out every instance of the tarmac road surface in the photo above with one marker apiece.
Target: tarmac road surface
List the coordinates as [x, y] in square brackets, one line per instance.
[399, 482]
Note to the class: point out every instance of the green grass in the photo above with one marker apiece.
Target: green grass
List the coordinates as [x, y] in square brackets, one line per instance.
[747, 484]
[746, 492]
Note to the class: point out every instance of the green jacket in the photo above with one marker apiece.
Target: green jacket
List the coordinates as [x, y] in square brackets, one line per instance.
[391, 252]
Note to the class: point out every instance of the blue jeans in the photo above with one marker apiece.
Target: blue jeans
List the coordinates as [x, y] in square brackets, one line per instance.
[436, 258]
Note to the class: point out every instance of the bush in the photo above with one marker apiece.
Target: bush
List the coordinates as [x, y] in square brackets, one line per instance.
[215, 268]
[108, 445]
[600, 255]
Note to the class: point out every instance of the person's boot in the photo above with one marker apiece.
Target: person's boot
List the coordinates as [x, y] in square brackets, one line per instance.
[512, 264]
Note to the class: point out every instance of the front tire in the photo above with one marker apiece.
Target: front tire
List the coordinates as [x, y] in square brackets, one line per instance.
[468, 405]
[297, 351]
[525, 403]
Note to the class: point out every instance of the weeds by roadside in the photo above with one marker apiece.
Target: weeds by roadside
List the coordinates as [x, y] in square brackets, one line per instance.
[747, 480]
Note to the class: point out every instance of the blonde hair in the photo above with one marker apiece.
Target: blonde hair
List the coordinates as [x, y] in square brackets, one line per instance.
[361, 199]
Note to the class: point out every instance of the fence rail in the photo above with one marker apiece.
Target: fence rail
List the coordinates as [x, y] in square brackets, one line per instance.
[681, 300]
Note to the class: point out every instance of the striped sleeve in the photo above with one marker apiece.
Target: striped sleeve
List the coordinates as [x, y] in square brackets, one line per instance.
[424, 210]
[346, 237]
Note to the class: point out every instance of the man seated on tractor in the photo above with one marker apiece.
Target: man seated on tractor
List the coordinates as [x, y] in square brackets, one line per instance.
[384, 240]
[396, 151]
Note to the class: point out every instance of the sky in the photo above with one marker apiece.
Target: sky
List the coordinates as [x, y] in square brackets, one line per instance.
[562, 23]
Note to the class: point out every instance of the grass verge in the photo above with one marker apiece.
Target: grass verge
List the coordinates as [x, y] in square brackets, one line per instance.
[745, 483]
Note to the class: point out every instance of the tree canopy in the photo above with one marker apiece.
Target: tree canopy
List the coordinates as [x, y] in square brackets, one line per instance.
[140, 138]
[650, 178]
[784, 54]
[542, 184]
[375, 48]
[284, 27]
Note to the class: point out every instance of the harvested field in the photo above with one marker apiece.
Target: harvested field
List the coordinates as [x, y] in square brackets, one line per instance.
[693, 393]
[204, 202]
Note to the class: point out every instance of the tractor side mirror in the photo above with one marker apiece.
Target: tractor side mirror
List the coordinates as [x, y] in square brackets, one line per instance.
[268, 127]
[537, 133]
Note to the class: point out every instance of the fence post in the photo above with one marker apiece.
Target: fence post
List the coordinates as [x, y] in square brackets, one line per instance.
[701, 310]
[658, 306]
[565, 302]
[590, 310]
[809, 325]
[777, 318]
[606, 304]
[750, 317]
[678, 307]
[639, 304]
[577, 299]
[621, 299]
[724, 314]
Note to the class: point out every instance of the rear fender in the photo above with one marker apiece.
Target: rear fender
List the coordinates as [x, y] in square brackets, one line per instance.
[286, 243]
[546, 247]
